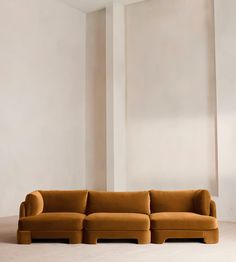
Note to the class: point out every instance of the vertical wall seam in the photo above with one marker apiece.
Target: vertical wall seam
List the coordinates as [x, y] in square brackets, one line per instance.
[215, 102]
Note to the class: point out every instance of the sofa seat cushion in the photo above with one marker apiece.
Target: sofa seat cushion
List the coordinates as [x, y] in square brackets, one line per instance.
[182, 220]
[117, 221]
[52, 222]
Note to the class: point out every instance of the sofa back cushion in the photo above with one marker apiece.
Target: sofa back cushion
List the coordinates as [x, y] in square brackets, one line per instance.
[197, 201]
[119, 202]
[172, 201]
[65, 200]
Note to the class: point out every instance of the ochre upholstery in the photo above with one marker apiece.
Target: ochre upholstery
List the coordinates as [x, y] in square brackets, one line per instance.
[197, 201]
[159, 236]
[22, 212]
[183, 214]
[117, 221]
[118, 215]
[25, 237]
[142, 236]
[119, 202]
[202, 201]
[182, 220]
[213, 208]
[33, 204]
[52, 214]
[52, 222]
[65, 200]
[79, 215]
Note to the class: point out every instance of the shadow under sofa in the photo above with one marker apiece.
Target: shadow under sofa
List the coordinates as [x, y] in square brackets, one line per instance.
[86, 216]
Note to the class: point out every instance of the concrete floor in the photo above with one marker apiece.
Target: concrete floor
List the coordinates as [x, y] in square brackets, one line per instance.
[113, 251]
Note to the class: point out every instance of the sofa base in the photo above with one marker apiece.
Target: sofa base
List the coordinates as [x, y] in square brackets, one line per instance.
[25, 237]
[143, 237]
[208, 236]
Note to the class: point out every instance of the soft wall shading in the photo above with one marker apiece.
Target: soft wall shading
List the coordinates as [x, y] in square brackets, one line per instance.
[96, 100]
[42, 85]
[171, 95]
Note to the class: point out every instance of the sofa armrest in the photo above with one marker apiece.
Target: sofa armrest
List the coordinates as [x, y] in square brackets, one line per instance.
[34, 204]
[213, 208]
[22, 210]
[202, 199]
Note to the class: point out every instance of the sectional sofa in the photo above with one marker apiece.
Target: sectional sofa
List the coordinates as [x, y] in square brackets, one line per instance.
[147, 216]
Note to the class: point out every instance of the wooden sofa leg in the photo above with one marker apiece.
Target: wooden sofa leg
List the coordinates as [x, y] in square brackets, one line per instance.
[24, 237]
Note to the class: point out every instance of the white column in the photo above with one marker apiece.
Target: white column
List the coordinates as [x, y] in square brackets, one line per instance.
[225, 39]
[115, 97]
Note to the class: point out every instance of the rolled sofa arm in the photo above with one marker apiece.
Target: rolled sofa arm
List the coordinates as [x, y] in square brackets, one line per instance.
[22, 210]
[202, 199]
[213, 208]
[33, 204]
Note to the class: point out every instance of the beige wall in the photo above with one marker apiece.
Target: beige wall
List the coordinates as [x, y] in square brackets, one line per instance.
[171, 128]
[171, 95]
[96, 101]
[42, 84]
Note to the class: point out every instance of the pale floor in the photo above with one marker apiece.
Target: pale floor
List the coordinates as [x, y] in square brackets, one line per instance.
[171, 251]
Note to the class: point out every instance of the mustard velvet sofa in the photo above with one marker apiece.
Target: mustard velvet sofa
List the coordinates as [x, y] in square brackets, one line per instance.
[86, 216]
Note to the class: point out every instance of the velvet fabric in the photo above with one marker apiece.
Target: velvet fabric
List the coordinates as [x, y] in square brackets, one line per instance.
[118, 215]
[197, 201]
[117, 221]
[207, 236]
[64, 201]
[22, 211]
[25, 237]
[52, 214]
[182, 221]
[183, 214]
[141, 236]
[79, 215]
[213, 208]
[202, 201]
[34, 204]
[58, 221]
[118, 202]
